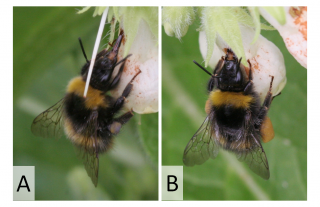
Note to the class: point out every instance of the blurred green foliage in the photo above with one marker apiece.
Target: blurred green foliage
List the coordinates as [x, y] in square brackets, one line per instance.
[183, 99]
[46, 55]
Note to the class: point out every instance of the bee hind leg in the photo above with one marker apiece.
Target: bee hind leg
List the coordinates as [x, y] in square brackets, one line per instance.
[124, 118]
[267, 102]
[116, 125]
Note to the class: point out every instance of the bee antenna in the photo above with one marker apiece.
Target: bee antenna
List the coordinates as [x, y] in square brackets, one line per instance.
[84, 53]
[205, 70]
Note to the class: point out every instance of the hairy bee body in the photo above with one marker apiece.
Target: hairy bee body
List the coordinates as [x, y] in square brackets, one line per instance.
[78, 112]
[228, 116]
[89, 122]
[236, 119]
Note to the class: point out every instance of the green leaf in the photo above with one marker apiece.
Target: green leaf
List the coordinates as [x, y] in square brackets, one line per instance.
[112, 32]
[110, 14]
[116, 13]
[148, 127]
[223, 21]
[99, 10]
[254, 11]
[131, 21]
[277, 12]
[250, 21]
[210, 30]
[84, 9]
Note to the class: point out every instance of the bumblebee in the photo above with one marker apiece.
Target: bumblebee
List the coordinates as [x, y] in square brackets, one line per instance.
[90, 122]
[236, 120]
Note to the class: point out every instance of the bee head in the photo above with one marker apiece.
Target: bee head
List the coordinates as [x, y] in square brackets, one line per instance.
[231, 77]
[103, 68]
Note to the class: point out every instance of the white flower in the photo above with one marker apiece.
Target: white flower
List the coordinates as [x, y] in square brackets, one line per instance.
[144, 49]
[293, 32]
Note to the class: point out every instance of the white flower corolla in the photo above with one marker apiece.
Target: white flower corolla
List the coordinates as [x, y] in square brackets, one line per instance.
[265, 58]
[143, 97]
[293, 32]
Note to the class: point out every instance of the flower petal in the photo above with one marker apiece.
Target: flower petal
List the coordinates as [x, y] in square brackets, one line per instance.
[293, 32]
[144, 49]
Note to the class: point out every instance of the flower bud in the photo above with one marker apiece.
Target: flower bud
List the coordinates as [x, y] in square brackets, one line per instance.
[176, 20]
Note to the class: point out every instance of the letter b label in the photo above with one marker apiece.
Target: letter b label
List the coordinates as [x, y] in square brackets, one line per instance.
[172, 183]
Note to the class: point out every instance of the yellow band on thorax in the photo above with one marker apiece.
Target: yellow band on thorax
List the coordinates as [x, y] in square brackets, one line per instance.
[237, 99]
[94, 97]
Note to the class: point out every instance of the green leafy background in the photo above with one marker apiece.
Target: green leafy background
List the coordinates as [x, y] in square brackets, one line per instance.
[183, 100]
[46, 55]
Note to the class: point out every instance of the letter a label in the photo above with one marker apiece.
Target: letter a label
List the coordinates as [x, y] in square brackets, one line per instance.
[23, 178]
[23, 183]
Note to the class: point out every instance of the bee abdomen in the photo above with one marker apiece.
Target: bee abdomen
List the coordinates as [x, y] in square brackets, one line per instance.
[83, 128]
[230, 117]
[238, 145]
[85, 139]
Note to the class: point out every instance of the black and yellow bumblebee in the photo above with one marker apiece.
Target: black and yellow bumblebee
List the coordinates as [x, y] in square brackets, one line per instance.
[236, 120]
[89, 122]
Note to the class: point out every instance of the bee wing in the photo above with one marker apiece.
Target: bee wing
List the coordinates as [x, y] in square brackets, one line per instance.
[88, 150]
[201, 146]
[49, 123]
[90, 159]
[256, 159]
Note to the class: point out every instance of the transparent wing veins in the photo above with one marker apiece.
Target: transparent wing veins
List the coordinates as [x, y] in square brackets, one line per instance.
[48, 124]
[202, 146]
[256, 159]
[88, 150]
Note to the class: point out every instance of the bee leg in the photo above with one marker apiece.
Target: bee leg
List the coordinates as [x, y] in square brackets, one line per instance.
[267, 102]
[116, 79]
[124, 118]
[116, 125]
[250, 71]
[211, 84]
[219, 66]
[120, 101]
[249, 85]
[124, 59]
